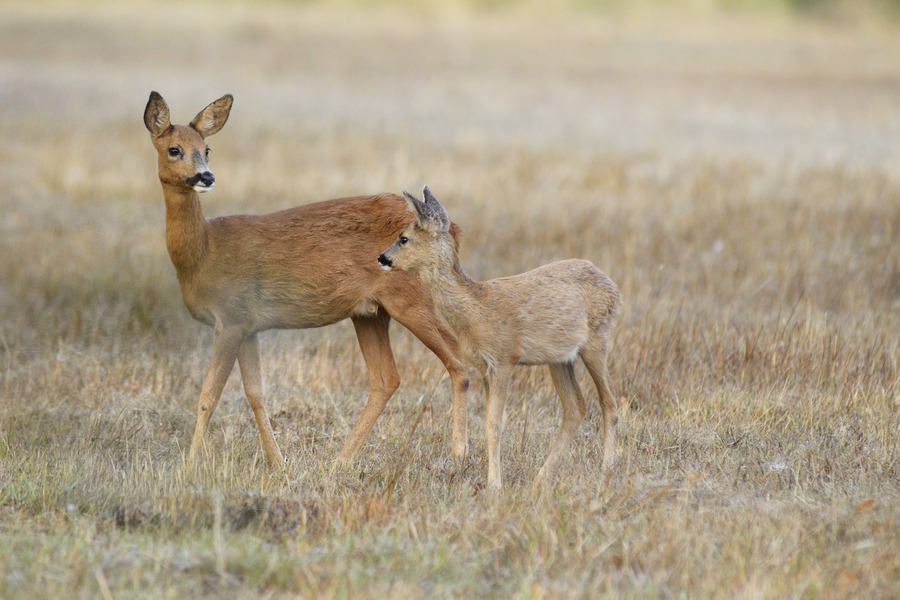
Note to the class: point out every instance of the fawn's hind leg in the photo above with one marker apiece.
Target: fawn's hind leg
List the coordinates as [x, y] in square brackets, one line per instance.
[594, 357]
[574, 409]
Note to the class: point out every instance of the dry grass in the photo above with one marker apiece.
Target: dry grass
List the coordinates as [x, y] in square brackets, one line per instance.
[739, 183]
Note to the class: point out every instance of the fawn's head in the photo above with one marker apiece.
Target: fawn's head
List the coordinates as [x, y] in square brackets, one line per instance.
[183, 153]
[426, 242]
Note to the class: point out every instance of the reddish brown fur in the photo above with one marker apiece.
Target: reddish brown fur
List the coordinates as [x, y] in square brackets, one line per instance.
[303, 267]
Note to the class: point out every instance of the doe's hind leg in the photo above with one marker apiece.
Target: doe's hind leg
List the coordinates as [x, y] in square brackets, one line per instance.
[375, 344]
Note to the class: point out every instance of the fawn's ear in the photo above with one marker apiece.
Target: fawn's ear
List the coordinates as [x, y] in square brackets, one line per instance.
[418, 208]
[439, 213]
[156, 115]
[430, 215]
[212, 118]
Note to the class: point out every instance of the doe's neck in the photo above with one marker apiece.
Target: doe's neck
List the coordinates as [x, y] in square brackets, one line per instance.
[187, 236]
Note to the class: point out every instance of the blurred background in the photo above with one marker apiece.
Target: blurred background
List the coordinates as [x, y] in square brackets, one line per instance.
[733, 165]
[774, 80]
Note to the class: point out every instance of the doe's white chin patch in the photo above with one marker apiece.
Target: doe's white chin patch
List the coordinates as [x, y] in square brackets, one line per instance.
[203, 188]
[386, 268]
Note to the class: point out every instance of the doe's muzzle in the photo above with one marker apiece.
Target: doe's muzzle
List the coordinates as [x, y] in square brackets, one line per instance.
[201, 180]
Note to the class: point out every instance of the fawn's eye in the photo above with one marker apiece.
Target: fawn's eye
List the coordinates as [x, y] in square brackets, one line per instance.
[403, 240]
[174, 152]
[207, 153]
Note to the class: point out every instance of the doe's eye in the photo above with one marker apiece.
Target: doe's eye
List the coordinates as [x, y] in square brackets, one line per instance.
[174, 152]
[207, 153]
[403, 240]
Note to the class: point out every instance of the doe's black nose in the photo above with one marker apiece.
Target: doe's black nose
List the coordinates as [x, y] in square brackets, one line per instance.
[384, 261]
[207, 179]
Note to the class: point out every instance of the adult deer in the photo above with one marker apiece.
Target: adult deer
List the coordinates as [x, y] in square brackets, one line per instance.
[548, 316]
[302, 267]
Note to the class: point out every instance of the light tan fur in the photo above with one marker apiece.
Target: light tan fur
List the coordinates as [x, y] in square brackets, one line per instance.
[549, 315]
[303, 267]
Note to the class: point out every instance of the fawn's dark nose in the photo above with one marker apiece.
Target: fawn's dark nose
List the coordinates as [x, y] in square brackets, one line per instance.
[207, 179]
[385, 262]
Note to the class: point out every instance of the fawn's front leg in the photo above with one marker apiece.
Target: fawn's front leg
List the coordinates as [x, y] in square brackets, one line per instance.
[497, 387]
[421, 320]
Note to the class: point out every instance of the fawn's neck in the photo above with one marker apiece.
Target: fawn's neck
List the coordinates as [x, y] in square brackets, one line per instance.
[456, 296]
[186, 230]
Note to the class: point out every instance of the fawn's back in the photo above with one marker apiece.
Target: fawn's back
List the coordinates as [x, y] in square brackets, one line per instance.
[551, 310]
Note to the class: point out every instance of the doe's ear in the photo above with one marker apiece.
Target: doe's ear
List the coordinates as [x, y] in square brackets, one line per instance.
[212, 118]
[156, 115]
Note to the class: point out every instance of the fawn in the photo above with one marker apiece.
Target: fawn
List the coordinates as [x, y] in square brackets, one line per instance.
[549, 315]
[302, 267]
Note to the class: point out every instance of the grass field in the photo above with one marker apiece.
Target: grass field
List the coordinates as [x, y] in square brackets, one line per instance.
[737, 176]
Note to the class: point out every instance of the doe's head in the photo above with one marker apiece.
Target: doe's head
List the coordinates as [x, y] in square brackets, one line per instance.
[425, 242]
[183, 152]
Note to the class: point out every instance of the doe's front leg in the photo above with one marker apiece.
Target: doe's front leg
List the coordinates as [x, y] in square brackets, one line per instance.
[251, 376]
[225, 350]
